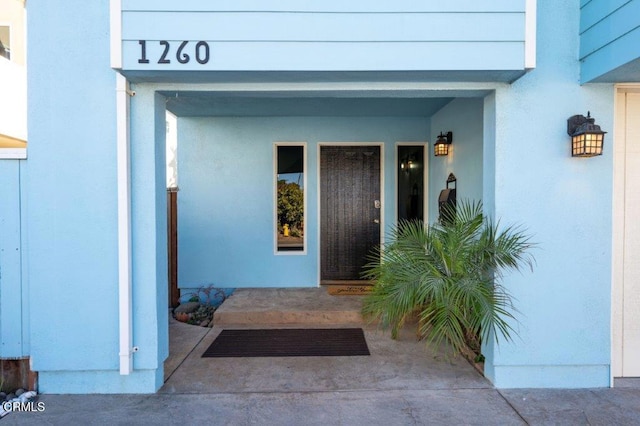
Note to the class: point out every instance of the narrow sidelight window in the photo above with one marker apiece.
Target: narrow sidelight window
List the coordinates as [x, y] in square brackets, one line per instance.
[411, 182]
[290, 198]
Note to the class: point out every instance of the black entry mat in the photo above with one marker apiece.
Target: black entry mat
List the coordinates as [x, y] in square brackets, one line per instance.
[289, 342]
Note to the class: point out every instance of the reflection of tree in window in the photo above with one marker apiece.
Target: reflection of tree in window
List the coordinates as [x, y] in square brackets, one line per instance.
[5, 50]
[290, 198]
[290, 206]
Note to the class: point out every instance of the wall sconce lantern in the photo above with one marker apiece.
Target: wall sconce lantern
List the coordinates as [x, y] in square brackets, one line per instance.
[586, 137]
[441, 147]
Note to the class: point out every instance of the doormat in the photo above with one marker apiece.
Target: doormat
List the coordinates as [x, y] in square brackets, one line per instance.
[349, 290]
[288, 342]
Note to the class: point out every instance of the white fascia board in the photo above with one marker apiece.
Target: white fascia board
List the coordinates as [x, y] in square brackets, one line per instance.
[13, 153]
[530, 34]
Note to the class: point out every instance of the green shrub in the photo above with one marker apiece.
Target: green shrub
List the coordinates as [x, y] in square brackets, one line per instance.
[448, 274]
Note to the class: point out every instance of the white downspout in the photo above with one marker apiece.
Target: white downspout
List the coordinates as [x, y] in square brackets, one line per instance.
[124, 225]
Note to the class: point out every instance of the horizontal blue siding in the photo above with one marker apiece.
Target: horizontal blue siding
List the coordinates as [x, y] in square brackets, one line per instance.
[610, 27]
[594, 11]
[327, 36]
[324, 56]
[356, 27]
[609, 34]
[327, 5]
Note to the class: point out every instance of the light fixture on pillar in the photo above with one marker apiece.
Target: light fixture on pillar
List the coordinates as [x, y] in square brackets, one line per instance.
[441, 147]
[587, 138]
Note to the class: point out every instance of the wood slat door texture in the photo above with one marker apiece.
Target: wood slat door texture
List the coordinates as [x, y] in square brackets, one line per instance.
[349, 210]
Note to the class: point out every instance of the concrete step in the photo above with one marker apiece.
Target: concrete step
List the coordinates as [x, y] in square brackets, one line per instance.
[295, 306]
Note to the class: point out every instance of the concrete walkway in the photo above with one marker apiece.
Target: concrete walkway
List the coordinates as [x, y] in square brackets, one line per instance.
[401, 383]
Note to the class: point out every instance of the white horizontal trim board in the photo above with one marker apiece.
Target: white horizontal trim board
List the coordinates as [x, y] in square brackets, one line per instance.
[325, 56]
[13, 153]
[259, 26]
[328, 5]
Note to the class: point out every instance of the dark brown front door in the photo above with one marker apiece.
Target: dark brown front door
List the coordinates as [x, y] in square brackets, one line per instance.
[349, 210]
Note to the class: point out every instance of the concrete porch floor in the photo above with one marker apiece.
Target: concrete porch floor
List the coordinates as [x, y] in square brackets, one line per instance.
[393, 364]
[401, 383]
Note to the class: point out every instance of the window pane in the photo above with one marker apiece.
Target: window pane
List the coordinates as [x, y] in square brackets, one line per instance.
[5, 42]
[290, 198]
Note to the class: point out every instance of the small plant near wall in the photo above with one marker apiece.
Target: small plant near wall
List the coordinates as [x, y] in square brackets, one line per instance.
[199, 306]
[449, 276]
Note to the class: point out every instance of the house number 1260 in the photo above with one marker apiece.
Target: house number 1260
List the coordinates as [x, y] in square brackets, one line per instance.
[200, 52]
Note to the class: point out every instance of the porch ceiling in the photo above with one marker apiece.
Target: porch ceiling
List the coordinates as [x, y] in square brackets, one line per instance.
[207, 104]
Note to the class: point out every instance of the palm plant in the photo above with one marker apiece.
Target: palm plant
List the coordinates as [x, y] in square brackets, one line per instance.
[449, 275]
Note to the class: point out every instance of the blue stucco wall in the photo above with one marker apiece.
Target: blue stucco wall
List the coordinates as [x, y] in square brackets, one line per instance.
[463, 117]
[72, 210]
[226, 199]
[14, 314]
[565, 202]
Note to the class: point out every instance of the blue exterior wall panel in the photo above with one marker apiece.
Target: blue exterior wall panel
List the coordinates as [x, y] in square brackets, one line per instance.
[565, 203]
[71, 192]
[463, 117]
[610, 41]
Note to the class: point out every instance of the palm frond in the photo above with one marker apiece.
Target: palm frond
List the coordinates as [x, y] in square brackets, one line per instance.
[449, 274]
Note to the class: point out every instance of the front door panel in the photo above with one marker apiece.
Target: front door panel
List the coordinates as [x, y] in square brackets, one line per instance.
[350, 209]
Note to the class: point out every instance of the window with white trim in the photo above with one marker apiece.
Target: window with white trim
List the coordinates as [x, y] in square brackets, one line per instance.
[290, 197]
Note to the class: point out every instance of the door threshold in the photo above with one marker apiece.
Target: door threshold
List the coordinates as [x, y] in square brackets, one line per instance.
[325, 283]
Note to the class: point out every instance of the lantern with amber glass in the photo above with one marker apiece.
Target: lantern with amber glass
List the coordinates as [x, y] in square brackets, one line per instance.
[587, 139]
[441, 147]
